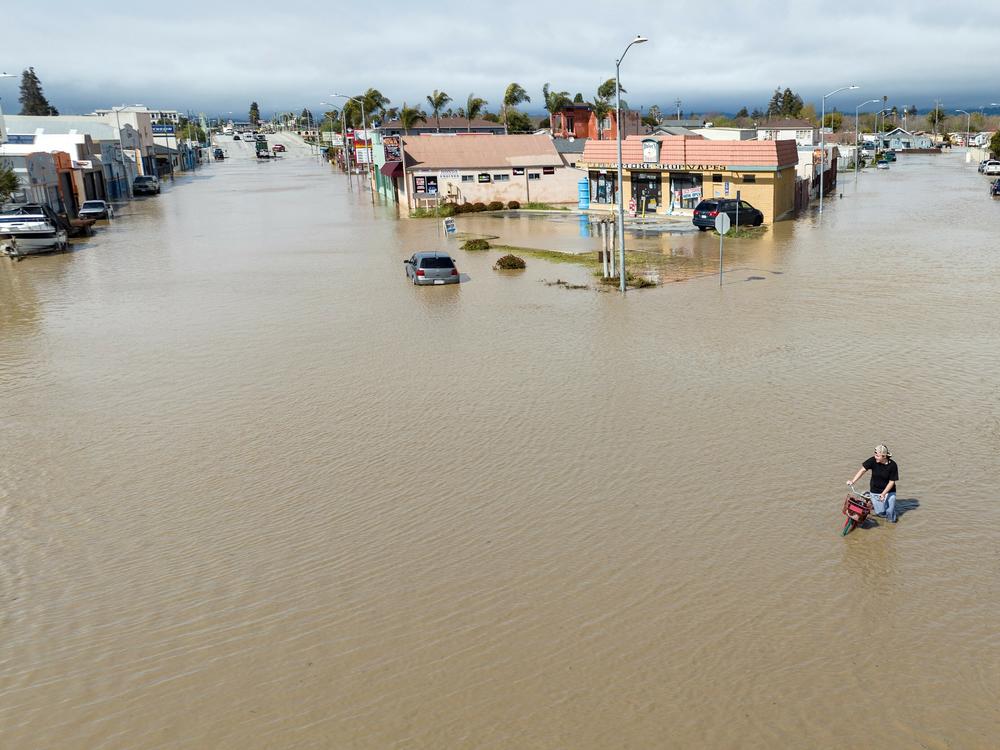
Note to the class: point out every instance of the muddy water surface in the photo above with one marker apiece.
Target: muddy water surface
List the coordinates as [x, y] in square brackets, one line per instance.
[260, 492]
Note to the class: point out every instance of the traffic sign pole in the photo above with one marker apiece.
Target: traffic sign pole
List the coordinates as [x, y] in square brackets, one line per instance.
[722, 224]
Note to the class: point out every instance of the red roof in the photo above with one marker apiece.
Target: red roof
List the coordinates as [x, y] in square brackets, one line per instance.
[683, 149]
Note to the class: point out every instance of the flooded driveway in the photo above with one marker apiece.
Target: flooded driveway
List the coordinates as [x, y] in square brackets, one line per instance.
[259, 491]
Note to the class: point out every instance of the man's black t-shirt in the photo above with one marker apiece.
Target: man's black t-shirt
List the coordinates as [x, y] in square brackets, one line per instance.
[881, 474]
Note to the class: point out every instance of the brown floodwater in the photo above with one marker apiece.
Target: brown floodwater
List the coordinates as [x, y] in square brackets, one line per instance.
[258, 491]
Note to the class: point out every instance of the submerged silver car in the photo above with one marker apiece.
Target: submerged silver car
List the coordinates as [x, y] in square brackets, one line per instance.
[431, 268]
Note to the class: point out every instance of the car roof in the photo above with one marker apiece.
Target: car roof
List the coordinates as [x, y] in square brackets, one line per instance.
[434, 254]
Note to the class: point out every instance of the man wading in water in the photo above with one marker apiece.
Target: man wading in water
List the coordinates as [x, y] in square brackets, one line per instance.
[885, 474]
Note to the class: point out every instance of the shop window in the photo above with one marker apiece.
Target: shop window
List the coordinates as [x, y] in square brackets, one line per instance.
[602, 187]
[468, 178]
[749, 178]
[534, 176]
[501, 178]
[685, 190]
[716, 178]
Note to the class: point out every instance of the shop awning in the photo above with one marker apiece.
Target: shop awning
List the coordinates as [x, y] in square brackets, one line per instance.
[392, 169]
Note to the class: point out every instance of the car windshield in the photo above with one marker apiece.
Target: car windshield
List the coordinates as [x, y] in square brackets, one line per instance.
[436, 263]
[93, 204]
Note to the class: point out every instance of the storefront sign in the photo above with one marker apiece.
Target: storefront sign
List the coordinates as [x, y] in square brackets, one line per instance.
[392, 148]
[450, 174]
[548, 170]
[162, 129]
[483, 177]
[691, 193]
[82, 164]
[662, 167]
[518, 170]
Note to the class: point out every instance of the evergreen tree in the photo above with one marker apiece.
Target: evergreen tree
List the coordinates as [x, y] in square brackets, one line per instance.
[8, 182]
[33, 101]
[774, 106]
[306, 118]
[578, 99]
[254, 114]
[743, 113]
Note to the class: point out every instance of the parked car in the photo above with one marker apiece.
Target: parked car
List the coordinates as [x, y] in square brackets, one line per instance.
[95, 210]
[992, 167]
[706, 211]
[431, 268]
[881, 164]
[237, 137]
[146, 184]
[995, 188]
[889, 155]
[278, 147]
[982, 165]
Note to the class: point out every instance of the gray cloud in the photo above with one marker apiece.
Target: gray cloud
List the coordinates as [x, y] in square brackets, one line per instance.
[218, 57]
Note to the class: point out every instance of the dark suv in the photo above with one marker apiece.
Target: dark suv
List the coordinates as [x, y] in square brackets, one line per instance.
[706, 211]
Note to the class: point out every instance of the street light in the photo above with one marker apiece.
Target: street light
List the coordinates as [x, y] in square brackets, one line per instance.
[968, 121]
[639, 39]
[343, 140]
[822, 140]
[364, 124]
[857, 139]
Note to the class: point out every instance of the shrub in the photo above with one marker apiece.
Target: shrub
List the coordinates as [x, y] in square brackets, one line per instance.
[447, 209]
[478, 206]
[476, 245]
[508, 262]
[495, 206]
[514, 205]
[462, 208]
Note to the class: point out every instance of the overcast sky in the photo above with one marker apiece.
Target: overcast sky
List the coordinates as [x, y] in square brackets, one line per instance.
[218, 57]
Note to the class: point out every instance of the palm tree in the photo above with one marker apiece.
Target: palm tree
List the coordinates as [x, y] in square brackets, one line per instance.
[601, 109]
[514, 95]
[410, 116]
[473, 108]
[392, 113]
[437, 102]
[554, 101]
[375, 103]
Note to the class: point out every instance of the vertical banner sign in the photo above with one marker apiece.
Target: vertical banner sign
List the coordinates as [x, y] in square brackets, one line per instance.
[393, 148]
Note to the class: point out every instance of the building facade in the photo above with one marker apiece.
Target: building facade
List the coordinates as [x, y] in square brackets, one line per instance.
[481, 169]
[580, 121]
[803, 132]
[672, 174]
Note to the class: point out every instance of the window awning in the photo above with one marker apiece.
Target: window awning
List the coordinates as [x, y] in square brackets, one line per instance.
[392, 169]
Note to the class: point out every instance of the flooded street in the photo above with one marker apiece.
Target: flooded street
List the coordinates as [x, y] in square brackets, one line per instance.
[258, 491]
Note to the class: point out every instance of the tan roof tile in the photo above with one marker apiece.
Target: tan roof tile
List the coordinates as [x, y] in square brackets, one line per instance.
[479, 151]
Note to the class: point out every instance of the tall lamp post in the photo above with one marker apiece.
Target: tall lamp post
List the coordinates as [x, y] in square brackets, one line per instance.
[857, 138]
[364, 124]
[343, 140]
[639, 39]
[822, 140]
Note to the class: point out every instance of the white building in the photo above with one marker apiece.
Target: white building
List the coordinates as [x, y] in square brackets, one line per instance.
[157, 115]
[803, 132]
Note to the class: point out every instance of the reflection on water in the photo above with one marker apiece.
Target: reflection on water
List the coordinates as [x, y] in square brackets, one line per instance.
[260, 491]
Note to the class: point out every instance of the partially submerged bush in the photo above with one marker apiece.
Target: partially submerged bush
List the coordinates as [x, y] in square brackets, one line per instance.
[476, 245]
[513, 205]
[447, 209]
[495, 206]
[478, 206]
[509, 262]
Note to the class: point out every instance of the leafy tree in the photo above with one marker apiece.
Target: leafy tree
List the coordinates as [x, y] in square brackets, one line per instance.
[437, 102]
[514, 95]
[834, 120]
[554, 101]
[33, 101]
[254, 114]
[392, 113]
[491, 117]
[410, 116]
[935, 117]
[518, 122]
[809, 114]
[8, 182]
[995, 145]
[375, 104]
[743, 113]
[474, 107]
[578, 99]
[653, 117]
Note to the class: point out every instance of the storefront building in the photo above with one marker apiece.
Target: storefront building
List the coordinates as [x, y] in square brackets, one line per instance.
[481, 169]
[672, 174]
